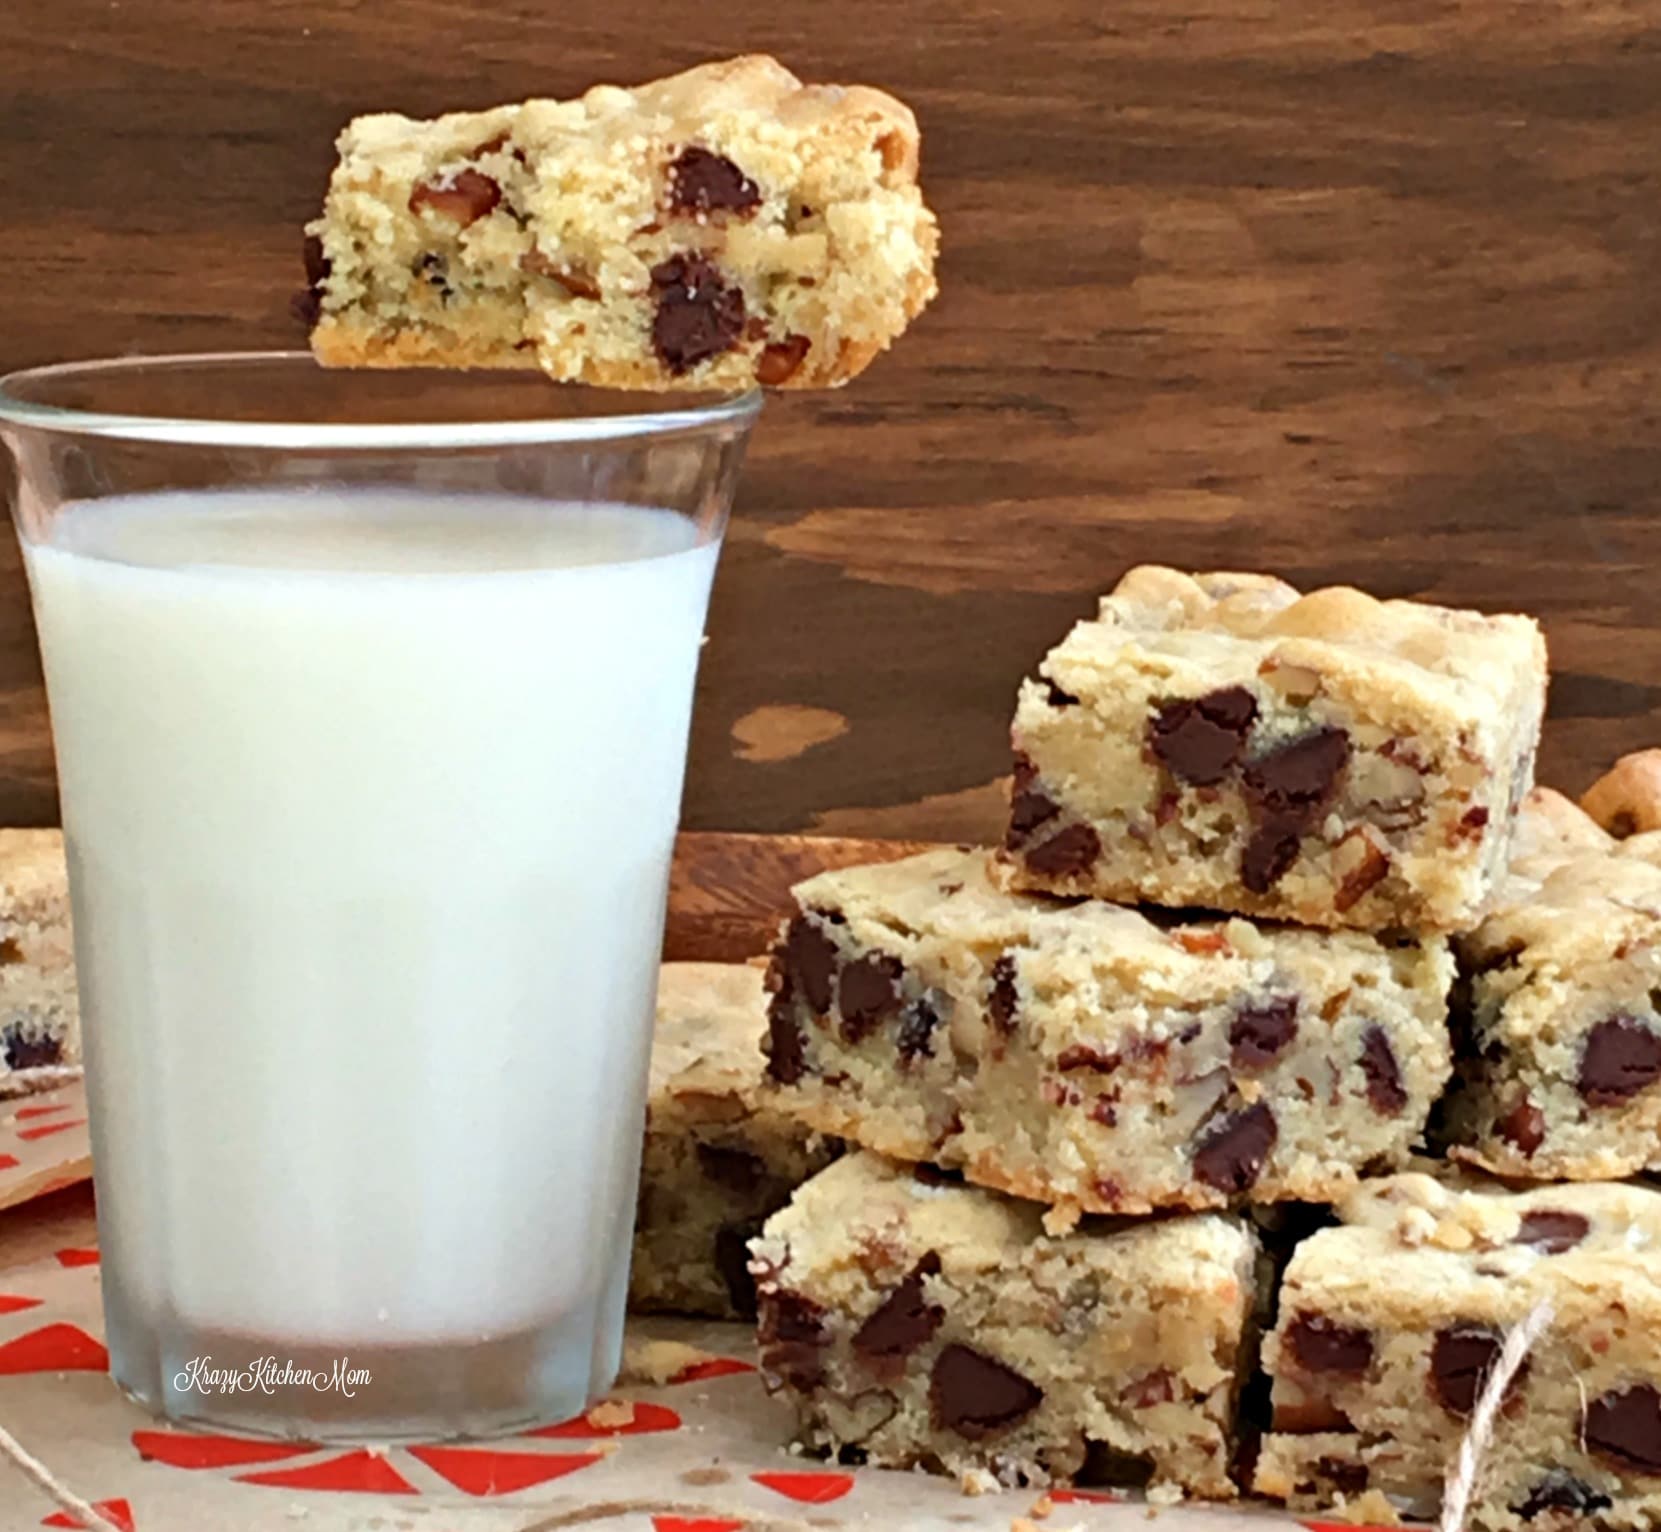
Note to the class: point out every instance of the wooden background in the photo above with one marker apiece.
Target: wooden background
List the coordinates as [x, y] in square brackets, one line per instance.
[1345, 290]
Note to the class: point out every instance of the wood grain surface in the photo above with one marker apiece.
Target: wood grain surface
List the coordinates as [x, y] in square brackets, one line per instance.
[1343, 290]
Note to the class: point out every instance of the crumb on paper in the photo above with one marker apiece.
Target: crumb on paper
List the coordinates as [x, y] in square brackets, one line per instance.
[658, 1361]
[977, 1481]
[1040, 1508]
[1163, 1495]
[1371, 1509]
[706, 1477]
[1062, 1219]
[611, 1413]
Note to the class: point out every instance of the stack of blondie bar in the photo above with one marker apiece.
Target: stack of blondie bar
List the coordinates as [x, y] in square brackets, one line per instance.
[1260, 845]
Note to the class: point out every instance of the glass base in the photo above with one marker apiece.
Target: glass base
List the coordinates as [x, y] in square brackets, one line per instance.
[412, 1392]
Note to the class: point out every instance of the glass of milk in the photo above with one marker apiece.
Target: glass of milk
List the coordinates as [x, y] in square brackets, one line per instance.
[370, 696]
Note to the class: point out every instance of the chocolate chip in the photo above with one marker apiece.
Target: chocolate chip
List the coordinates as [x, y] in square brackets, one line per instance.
[1029, 806]
[1055, 696]
[732, 1261]
[1201, 739]
[464, 197]
[1259, 1034]
[786, 1048]
[1552, 1232]
[915, 1036]
[1561, 1491]
[1621, 1058]
[790, 1328]
[1461, 1358]
[1319, 1344]
[307, 304]
[904, 1321]
[976, 1397]
[1003, 1001]
[1105, 1110]
[702, 182]
[1624, 1428]
[1268, 857]
[1474, 821]
[1230, 1152]
[1345, 1477]
[24, 1052]
[699, 315]
[780, 361]
[736, 1169]
[1067, 853]
[1378, 1063]
[1298, 778]
[868, 993]
[809, 962]
[1523, 1127]
[1083, 1056]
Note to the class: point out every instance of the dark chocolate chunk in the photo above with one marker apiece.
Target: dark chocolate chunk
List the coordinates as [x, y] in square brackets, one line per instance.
[1318, 1344]
[22, 1051]
[1552, 1232]
[1268, 856]
[1559, 1490]
[1003, 1001]
[1523, 1127]
[1296, 780]
[1461, 1358]
[699, 314]
[1083, 1056]
[790, 1328]
[868, 993]
[1378, 1063]
[732, 1260]
[809, 962]
[736, 1169]
[786, 1047]
[464, 197]
[1029, 805]
[977, 1397]
[915, 1037]
[1624, 1428]
[1200, 740]
[1230, 1152]
[1259, 1034]
[1055, 696]
[702, 182]
[1069, 851]
[903, 1321]
[1621, 1058]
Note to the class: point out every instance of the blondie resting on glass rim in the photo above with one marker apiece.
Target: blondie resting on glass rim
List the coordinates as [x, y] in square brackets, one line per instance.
[1389, 1325]
[927, 1324]
[1087, 1055]
[1558, 1020]
[1220, 740]
[721, 228]
[718, 1157]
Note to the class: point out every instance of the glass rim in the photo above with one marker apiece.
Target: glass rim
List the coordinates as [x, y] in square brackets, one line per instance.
[736, 410]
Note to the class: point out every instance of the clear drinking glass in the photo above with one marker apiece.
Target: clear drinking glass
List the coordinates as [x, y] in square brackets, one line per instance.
[370, 696]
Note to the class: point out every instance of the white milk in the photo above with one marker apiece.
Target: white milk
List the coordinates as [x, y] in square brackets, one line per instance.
[370, 801]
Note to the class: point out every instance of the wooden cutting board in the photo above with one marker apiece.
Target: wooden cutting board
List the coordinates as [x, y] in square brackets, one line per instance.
[728, 892]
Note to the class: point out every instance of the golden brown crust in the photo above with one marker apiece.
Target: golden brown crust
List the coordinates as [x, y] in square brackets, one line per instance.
[1626, 799]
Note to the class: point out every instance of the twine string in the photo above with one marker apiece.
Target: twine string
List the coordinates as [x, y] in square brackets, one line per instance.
[42, 1477]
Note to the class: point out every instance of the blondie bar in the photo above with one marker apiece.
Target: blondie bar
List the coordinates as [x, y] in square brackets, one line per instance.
[1088, 1055]
[1558, 1010]
[717, 1159]
[1220, 740]
[40, 1024]
[721, 228]
[1390, 1323]
[914, 1322]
